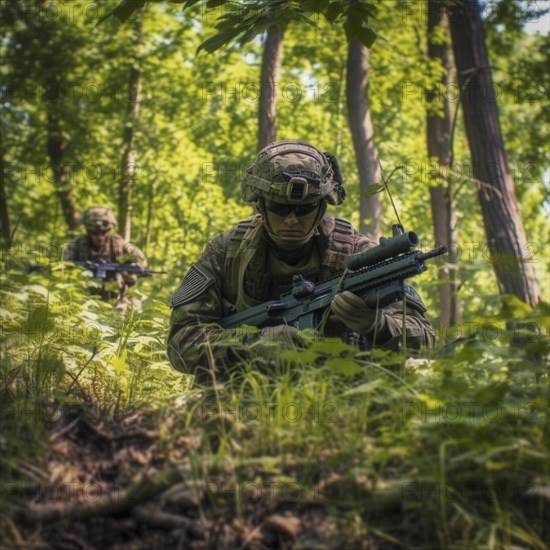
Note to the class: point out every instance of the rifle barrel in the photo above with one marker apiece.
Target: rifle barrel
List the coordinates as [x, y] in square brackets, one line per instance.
[433, 253]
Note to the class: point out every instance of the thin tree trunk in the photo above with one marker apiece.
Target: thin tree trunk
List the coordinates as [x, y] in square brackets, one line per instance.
[56, 144]
[499, 205]
[5, 224]
[439, 151]
[149, 217]
[56, 141]
[362, 133]
[269, 79]
[129, 154]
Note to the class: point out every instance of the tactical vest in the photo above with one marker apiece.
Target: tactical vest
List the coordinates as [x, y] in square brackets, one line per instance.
[336, 237]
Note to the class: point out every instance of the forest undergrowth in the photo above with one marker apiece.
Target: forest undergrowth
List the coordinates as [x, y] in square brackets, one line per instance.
[104, 445]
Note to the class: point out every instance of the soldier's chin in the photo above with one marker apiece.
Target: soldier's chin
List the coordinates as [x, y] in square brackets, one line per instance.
[290, 242]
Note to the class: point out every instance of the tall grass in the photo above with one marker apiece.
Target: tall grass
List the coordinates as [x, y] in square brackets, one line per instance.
[455, 441]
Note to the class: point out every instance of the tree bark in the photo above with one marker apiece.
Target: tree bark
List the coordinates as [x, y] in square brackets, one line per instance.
[362, 134]
[270, 75]
[439, 152]
[54, 79]
[5, 223]
[56, 145]
[504, 230]
[128, 162]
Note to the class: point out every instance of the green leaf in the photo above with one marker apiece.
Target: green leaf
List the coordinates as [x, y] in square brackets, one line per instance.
[123, 11]
[365, 388]
[218, 40]
[513, 307]
[347, 367]
[119, 363]
[65, 398]
[332, 12]
[211, 4]
[372, 189]
[366, 36]
[38, 323]
[492, 394]
[332, 346]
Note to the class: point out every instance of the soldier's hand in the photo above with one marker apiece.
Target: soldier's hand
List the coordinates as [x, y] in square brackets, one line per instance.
[355, 313]
[130, 279]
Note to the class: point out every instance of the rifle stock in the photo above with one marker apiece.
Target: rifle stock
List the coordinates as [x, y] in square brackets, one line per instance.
[377, 275]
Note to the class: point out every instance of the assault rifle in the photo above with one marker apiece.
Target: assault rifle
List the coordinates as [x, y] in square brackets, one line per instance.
[105, 270]
[377, 275]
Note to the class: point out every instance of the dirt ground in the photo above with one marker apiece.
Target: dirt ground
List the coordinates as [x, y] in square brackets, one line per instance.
[101, 483]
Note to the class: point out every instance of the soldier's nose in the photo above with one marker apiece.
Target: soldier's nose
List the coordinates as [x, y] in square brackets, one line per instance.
[292, 219]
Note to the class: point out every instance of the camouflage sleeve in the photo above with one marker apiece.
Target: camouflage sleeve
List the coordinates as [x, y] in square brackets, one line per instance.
[410, 313]
[132, 254]
[196, 344]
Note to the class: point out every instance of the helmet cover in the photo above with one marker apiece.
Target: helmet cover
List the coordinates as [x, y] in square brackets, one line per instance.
[292, 172]
[99, 218]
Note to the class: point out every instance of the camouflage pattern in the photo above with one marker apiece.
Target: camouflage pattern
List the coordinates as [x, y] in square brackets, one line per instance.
[293, 172]
[241, 268]
[115, 249]
[99, 218]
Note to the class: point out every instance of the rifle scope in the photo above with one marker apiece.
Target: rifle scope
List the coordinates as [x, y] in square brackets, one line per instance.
[388, 248]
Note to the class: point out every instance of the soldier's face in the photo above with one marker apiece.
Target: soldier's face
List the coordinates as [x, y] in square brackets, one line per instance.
[291, 227]
[99, 238]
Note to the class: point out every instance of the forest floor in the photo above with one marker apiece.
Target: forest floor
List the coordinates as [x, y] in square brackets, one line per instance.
[104, 483]
[103, 445]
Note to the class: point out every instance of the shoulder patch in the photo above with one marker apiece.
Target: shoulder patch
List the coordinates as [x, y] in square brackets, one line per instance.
[414, 299]
[195, 282]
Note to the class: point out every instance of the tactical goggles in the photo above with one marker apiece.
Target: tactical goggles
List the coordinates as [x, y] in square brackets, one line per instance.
[284, 210]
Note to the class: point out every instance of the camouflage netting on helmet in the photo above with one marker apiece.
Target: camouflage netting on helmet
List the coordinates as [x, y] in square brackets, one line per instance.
[99, 219]
[292, 172]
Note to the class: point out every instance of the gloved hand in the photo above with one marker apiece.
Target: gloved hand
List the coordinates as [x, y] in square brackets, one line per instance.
[355, 313]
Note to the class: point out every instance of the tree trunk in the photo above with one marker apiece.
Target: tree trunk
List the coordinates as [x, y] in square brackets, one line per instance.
[362, 133]
[269, 79]
[501, 215]
[128, 166]
[56, 144]
[439, 152]
[5, 224]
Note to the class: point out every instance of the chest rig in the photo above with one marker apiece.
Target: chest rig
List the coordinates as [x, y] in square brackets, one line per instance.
[248, 249]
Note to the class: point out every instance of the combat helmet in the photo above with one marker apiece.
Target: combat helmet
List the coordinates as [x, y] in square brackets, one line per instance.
[99, 218]
[293, 172]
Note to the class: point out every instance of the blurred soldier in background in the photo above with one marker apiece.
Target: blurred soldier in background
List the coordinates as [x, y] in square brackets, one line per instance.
[100, 245]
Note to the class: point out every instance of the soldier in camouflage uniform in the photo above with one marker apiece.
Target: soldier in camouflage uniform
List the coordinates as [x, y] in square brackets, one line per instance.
[291, 183]
[100, 245]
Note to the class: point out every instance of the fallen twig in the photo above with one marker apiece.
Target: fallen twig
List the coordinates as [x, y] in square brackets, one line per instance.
[143, 490]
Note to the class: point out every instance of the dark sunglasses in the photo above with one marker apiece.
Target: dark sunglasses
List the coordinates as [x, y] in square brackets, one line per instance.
[284, 210]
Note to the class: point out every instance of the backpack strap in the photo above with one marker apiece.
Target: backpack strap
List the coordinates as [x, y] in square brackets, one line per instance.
[239, 253]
